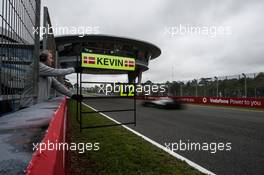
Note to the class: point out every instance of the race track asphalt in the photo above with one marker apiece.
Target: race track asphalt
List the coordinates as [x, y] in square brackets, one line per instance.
[244, 129]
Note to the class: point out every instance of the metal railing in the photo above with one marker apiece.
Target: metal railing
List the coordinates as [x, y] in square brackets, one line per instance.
[242, 85]
[19, 48]
[48, 43]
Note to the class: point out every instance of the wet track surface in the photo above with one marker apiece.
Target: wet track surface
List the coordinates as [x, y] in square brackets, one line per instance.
[244, 129]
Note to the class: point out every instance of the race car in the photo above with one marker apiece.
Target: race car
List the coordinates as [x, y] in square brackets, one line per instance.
[165, 103]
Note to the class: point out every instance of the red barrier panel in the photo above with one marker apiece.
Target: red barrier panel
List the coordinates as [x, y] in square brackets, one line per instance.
[51, 160]
[241, 102]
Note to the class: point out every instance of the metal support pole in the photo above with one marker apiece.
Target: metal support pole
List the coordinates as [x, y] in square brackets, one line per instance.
[217, 94]
[135, 106]
[77, 92]
[181, 89]
[77, 103]
[80, 102]
[196, 88]
[36, 54]
[45, 28]
[245, 77]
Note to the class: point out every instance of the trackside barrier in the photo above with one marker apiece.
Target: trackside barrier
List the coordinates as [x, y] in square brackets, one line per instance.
[51, 161]
[240, 102]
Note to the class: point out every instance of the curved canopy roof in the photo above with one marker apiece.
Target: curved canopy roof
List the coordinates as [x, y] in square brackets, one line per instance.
[153, 49]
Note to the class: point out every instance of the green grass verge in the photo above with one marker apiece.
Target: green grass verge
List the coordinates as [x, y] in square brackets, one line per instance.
[121, 152]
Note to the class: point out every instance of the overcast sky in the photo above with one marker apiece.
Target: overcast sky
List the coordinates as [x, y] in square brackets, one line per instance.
[239, 49]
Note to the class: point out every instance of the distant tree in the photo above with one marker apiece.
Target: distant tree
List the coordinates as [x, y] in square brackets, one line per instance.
[148, 82]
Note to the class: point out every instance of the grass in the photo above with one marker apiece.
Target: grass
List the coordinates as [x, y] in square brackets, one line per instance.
[121, 152]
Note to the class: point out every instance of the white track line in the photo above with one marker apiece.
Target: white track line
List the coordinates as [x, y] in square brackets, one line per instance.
[178, 156]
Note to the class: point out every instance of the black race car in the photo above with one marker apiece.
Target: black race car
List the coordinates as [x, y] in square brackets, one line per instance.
[165, 103]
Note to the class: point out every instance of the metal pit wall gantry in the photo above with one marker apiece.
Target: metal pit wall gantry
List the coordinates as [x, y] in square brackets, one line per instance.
[91, 61]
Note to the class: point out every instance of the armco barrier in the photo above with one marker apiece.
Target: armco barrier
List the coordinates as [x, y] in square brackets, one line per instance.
[241, 102]
[52, 161]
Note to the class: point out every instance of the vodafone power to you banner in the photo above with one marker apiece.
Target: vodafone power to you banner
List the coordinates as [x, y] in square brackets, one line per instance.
[242, 102]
